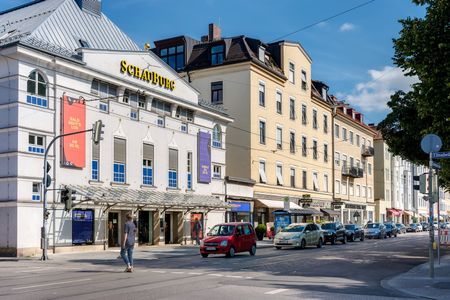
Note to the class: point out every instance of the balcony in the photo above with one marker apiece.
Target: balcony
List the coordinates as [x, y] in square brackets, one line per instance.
[354, 172]
[367, 151]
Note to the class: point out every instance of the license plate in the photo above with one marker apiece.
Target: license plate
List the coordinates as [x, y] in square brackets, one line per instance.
[210, 248]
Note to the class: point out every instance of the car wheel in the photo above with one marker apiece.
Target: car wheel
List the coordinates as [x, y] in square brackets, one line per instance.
[385, 236]
[362, 238]
[333, 240]
[277, 247]
[395, 235]
[352, 238]
[205, 255]
[253, 250]
[231, 252]
[390, 235]
[344, 239]
[319, 245]
[303, 244]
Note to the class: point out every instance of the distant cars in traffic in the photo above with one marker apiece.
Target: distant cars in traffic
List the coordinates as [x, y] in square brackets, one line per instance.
[229, 239]
[391, 230]
[334, 232]
[354, 232]
[375, 230]
[413, 227]
[401, 228]
[299, 235]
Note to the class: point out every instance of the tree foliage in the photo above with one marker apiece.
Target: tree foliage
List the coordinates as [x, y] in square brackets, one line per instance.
[422, 50]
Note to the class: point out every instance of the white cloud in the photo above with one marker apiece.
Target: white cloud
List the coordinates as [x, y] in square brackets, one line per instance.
[373, 95]
[347, 27]
[322, 24]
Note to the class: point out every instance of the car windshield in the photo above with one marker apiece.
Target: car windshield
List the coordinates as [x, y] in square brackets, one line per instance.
[372, 225]
[388, 225]
[295, 228]
[222, 230]
[412, 225]
[398, 225]
[350, 227]
[329, 226]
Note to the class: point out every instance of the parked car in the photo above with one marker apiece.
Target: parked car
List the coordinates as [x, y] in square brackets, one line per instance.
[401, 228]
[391, 230]
[353, 232]
[412, 228]
[229, 239]
[375, 230]
[299, 235]
[445, 225]
[425, 226]
[419, 227]
[333, 232]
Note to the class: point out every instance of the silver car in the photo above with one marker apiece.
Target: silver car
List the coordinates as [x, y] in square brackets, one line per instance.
[299, 235]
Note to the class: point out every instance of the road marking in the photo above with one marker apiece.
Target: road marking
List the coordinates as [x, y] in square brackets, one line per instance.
[277, 291]
[233, 276]
[53, 283]
[177, 272]
[159, 271]
[217, 275]
[194, 273]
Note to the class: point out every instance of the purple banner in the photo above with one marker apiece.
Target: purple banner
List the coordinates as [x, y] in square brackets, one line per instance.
[204, 157]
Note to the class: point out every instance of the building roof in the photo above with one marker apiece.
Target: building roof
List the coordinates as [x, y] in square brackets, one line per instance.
[59, 26]
[237, 50]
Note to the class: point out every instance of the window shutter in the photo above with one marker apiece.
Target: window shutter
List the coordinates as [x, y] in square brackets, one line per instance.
[148, 152]
[120, 150]
[173, 159]
[95, 151]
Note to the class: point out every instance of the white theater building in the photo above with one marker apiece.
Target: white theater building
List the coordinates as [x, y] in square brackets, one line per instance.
[163, 150]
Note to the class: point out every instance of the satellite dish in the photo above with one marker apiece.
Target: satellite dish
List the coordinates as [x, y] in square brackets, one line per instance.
[431, 143]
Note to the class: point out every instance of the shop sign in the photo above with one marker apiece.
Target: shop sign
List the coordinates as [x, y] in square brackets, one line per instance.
[306, 198]
[240, 206]
[355, 206]
[146, 75]
[74, 119]
[204, 157]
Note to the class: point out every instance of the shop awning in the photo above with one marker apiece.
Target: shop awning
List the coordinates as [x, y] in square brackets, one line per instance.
[409, 213]
[116, 196]
[330, 212]
[278, 204]
[393, 212]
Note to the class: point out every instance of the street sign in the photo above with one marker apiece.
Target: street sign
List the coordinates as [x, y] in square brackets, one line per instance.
[441, 154]
[436, 166]
[431, 143]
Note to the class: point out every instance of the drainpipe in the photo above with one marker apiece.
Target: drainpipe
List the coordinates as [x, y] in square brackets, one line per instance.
[54, 152]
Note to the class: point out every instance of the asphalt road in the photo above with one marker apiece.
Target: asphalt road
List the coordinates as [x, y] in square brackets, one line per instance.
[352, 271]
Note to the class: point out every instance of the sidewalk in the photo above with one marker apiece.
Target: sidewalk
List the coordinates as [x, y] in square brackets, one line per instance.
[418, 283]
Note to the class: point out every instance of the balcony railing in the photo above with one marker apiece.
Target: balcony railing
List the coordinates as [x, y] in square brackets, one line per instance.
[354, 172]
[367, 151]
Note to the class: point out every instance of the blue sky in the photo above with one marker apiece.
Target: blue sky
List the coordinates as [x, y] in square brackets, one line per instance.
[352, 53]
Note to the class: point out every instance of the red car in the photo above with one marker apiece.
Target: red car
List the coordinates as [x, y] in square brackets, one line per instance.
[229, 239]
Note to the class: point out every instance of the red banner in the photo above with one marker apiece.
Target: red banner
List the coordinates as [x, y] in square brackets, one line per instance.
[74, 119]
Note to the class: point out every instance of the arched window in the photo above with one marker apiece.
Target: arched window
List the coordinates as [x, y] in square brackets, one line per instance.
[217, 137]
[36, 84]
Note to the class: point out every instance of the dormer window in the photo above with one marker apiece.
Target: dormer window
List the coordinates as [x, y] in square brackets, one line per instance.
[324, 93]
[217, 55]
[261, 53]
[173, 56]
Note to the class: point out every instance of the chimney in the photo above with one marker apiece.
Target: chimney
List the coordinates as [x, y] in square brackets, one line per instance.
[214, 32]
[92, 6]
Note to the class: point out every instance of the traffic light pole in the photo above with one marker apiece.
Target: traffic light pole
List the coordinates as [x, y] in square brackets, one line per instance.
[44, 228]
[431, 223]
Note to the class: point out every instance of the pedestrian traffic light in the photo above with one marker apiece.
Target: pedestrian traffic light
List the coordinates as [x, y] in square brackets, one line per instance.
[97, 131]
[423, 183]
[67, 197]
[47, 180]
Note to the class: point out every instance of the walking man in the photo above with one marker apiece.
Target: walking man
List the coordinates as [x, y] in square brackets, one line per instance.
[127, 245]
[197, 230]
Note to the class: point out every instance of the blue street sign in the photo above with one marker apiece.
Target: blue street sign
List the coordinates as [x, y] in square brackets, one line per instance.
[436, 166]
[441, 154]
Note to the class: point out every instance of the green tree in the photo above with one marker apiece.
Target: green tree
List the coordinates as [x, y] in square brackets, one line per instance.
[422, 50]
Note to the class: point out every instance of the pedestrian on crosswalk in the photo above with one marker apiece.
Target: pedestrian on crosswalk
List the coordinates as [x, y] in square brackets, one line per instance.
[127, 245]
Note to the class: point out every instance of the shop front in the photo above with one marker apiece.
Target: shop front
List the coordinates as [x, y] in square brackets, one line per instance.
[241, 211]
[394, 215]
[354, 213]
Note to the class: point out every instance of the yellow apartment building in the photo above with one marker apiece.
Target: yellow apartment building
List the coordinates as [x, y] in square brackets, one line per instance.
[282, 134]
[353, 188]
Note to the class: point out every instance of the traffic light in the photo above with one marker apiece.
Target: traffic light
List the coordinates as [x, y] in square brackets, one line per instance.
[416, 186]
[67, 197]
[423, 183]
[97, 131]
[47, 177]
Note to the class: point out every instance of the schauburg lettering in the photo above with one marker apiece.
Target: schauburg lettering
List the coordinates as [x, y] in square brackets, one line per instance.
[146, 75]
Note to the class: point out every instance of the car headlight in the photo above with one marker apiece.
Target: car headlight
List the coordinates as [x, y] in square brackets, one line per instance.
[224, 243]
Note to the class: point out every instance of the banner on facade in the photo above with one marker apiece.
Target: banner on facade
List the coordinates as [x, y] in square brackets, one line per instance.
[73, 119]
[204, 157]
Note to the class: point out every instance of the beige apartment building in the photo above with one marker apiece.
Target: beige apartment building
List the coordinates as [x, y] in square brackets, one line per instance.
[353, 165]
[282, 135]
